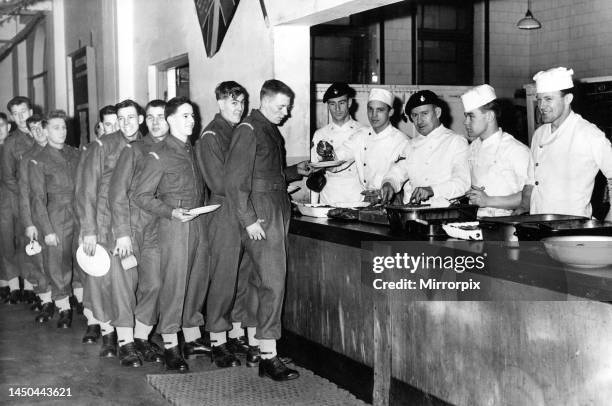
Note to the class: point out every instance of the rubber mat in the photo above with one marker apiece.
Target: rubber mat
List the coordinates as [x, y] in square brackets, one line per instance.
[242, 386]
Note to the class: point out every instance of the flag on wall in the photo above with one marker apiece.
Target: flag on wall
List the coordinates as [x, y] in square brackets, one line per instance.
[215, 17]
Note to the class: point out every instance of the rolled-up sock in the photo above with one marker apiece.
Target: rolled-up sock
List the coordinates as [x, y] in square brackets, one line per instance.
[63, 304]
[14, 284]
[27, 285]
[267, 348]
[91, 320]
[45, 297]
[191, 333]
[170, 340]
[142, 331]
[125, 335]
[106, 328]
[78, 293]
[251, 335]
[236, 331]
[217, 339]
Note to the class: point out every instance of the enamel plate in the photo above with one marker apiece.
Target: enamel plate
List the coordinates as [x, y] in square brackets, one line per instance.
[204, 209]
[96, 265]
[326, 164]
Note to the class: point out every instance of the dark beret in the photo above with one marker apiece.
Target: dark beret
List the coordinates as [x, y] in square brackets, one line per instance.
[336, 90]
[421, 98]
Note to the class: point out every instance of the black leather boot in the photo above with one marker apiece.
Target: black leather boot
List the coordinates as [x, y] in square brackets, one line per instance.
[109, 345]
[65, 319]
[92, 334]
[223, 357]
[129, 356]
[46, 312]
[197, 348]
[149, 352]
[174, 359]
[28, 296]
[238, 345]
[5, 291]
[14, 297]
[276, 369]
[253, 356]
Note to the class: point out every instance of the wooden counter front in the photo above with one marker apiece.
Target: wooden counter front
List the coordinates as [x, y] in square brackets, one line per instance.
[544, 351]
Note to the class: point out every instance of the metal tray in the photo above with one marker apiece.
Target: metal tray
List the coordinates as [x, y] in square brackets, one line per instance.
[503, 228]
[561, 228]
[428, 220]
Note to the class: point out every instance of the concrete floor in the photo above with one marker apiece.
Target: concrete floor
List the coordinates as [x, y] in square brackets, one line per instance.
[33, 355]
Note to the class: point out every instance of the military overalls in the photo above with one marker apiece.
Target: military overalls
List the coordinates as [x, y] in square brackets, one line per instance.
[13, 233]
[165, 179]
[135, 291]
[52, 182]
[256, 188]
[94, 215]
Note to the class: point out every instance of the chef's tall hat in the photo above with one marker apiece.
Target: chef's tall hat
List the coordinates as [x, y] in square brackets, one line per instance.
[381, 95]
[477, 96]
[553, 79]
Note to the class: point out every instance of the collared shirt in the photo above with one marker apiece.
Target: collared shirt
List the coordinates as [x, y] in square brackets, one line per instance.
[374, 153]
[16, 144]
[499, 164]
[564, 164]
[343, 184]
[438, 160]
[167, 178]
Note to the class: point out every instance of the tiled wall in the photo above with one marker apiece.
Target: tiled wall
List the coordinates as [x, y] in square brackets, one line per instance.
[398, 50]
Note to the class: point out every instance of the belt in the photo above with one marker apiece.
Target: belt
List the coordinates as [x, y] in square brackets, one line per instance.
[187, 203]
[268, 185]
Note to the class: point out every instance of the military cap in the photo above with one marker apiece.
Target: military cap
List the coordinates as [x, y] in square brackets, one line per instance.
[338, 89]
[421, 98]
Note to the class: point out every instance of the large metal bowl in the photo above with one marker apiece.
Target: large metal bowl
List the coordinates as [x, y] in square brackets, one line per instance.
[583, 251]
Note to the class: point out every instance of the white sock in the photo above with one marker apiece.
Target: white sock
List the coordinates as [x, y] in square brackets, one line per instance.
[253, 342]
[91, 320]
[142, 331]
[63, 304]
[3, 283]
[14, 284]
[106, 328]
[236, 331]
[45, 297]
[170, 340]
[191, 333]
[78, 293]
[267, 348]
[125, 335]
[217, 339]
[27, 285]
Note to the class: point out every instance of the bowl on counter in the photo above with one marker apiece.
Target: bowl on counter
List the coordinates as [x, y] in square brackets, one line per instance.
[582, 251]
[313, 209]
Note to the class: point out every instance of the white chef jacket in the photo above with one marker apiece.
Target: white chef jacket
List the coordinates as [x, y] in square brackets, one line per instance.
[500, 164]
[343, 185]
[373, 153]
[439, 160]
[564, 164]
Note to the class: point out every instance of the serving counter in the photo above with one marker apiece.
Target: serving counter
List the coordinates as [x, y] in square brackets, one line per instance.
[535, 333]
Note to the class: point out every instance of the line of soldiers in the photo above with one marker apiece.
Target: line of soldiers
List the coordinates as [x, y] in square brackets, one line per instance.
[488, 166]
[131, 195]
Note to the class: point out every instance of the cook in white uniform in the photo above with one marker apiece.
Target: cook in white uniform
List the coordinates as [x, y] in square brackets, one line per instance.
[436, 164]
[342, 182]
[567, 151]
[498, 162]
[376, 147]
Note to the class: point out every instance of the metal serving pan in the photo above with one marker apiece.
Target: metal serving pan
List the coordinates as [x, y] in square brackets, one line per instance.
[564, 228]
[404, 217]
[503, 228]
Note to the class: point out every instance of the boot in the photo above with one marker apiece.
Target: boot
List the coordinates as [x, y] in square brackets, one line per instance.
[109, 345]
[46, 312]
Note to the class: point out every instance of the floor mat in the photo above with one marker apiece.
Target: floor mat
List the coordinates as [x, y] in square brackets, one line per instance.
[242, 386]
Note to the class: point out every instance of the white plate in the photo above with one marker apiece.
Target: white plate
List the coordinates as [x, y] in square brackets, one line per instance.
[204, 209]
[96, 265]
[292, 188]
[33, 248]
[326, 164]
[351, 205]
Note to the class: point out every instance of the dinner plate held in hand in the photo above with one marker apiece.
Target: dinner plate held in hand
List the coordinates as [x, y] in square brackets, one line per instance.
[326, 164]
[292, 188]
[204, 209]
[96, 265]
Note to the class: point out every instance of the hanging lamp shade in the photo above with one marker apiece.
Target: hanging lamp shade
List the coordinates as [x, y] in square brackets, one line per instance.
[529, 22]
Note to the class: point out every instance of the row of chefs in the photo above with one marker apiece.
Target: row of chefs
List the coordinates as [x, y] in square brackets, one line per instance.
[131, 197]
[498, 173]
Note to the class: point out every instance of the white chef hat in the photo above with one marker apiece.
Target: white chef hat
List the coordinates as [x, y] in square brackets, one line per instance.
[553, 79]
[477, 96]
[381, 95]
